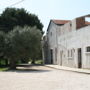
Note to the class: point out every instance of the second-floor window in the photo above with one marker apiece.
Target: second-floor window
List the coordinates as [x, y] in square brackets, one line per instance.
[70, 24]
[51, 33]
[88, 49]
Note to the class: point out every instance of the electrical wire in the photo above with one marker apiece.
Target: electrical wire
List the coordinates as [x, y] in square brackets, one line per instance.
[13, 4]
[16, 3]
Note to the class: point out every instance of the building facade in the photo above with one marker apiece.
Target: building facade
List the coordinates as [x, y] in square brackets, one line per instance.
[68, 43]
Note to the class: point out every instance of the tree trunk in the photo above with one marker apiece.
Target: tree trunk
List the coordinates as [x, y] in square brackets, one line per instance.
[6, 62]
[0, 62]
[33, 61]
[12, 64]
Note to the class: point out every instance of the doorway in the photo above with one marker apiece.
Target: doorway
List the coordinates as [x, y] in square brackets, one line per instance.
[79, 58]
[51, 52]
[61, 53]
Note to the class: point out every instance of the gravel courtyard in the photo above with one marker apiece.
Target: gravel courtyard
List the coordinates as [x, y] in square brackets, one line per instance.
[43, 78]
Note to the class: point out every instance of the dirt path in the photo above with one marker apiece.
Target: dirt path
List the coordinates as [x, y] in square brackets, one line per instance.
[43, 78]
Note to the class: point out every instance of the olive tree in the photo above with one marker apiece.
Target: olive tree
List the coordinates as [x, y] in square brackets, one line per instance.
[22, 43]
[2, 45]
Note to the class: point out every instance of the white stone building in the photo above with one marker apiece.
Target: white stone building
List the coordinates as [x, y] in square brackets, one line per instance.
[67, 43]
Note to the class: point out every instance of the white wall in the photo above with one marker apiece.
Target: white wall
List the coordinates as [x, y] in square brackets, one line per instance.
[66, 38]
[74, 40]
[52, 40]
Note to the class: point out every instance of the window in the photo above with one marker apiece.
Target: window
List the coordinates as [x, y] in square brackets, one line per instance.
[51, 33]
[70, 24]
[56, 54]
[70, 53]
[88, 49]
[87, 19]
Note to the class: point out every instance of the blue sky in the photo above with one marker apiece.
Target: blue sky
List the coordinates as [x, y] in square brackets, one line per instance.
[52, 9]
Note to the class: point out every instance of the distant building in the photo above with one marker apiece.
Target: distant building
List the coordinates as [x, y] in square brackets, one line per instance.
[67, 43]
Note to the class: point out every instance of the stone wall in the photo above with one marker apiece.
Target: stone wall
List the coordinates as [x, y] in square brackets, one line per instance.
[72, 41]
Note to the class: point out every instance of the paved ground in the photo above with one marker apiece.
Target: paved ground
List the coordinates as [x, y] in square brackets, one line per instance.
[79, 70]
[43, 78]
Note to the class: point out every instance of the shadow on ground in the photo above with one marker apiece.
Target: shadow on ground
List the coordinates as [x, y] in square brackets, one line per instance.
[29, 69]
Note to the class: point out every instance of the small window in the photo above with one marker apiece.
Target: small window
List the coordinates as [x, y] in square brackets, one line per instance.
[70, 24]
[51, 33]
[87, 19]
[71, 53]
[68, 53]
[88, 49]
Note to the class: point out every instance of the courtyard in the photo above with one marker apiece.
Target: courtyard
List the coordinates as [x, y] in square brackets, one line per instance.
[43, 78]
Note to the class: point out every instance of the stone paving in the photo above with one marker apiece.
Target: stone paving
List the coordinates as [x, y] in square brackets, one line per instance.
[43, 78]
[79, 70]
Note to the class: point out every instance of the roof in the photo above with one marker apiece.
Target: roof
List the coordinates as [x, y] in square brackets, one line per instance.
[60, 21]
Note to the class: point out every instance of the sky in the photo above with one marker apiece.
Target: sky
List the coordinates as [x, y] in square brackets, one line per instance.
[51, 9]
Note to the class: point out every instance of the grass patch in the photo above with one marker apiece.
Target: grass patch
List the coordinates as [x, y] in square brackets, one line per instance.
[3, 68]
[39, 62]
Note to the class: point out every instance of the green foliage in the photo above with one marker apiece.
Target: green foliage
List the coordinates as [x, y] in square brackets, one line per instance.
[12, 17]
[23, 43]
[39, 62]
[2, 44]
[20, 39]
[3, 69]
